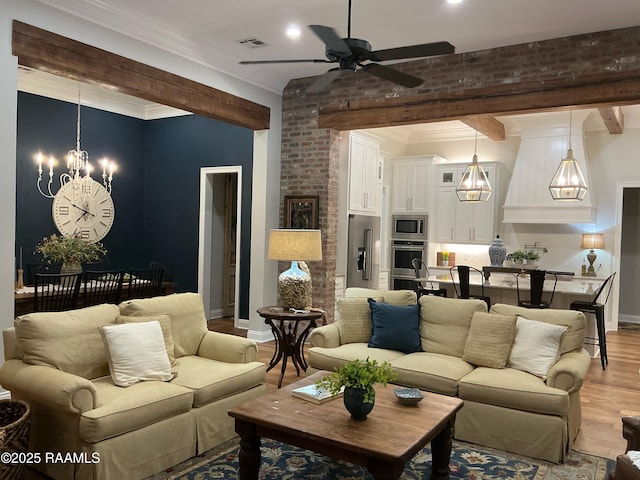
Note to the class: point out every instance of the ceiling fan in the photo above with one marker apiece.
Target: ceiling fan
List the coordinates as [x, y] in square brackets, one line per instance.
[351, 53]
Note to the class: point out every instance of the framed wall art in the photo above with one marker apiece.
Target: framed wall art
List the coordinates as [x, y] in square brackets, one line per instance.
[301, 211]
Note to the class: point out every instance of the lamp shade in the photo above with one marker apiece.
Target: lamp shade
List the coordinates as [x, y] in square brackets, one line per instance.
[592, 240]
[295, 244]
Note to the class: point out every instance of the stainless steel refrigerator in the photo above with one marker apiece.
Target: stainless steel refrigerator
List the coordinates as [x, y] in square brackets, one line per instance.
[363, 257]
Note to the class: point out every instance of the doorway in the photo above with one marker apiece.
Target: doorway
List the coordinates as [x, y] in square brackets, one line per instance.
[219, 240]
[625, 303]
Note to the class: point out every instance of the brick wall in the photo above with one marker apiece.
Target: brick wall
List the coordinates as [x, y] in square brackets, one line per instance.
[543, 69]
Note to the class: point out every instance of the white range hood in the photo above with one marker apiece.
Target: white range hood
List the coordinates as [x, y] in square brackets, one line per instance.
[542, 147]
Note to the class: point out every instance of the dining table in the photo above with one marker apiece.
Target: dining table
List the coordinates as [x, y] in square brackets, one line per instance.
[24, 301]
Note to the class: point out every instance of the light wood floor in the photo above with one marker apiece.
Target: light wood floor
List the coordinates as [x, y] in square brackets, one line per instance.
[606, 395]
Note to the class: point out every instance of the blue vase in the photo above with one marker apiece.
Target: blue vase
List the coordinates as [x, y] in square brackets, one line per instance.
[497, 252]
[354, 402]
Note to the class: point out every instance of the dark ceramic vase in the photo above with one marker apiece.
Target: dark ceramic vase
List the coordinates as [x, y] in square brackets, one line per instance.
[354, 402]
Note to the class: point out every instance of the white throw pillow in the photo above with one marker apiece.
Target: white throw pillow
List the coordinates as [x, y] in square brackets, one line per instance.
[136, 352]
[536, 347]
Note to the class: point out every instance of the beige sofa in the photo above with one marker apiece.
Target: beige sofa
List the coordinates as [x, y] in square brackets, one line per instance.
[58, 363]
[504, 408]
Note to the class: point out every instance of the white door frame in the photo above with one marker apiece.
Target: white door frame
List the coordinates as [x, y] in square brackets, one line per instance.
[205, 234]
[617, 252]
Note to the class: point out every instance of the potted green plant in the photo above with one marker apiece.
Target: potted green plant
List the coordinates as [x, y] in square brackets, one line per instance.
[525, 257]
[358, 378]
[71, 251]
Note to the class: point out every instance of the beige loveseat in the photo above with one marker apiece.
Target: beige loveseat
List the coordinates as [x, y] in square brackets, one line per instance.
[504, 407]
[58, 363]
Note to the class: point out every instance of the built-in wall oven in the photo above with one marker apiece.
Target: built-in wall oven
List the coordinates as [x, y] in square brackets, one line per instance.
[402, 254]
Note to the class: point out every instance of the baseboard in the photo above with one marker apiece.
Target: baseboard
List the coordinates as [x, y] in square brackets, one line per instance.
[217, 313]
[624, 318]
[260, 337]
[243, 323]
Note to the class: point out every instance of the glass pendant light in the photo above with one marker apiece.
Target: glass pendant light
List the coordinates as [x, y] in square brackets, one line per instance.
[474, 185]
[568, 182]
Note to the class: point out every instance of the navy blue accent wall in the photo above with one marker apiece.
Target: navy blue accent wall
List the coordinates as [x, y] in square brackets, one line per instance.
[156, 186]
[176, 149]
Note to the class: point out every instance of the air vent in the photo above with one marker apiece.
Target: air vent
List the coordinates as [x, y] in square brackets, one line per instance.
[252, 42]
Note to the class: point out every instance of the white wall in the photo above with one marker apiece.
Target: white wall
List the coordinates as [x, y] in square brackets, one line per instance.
[266, 178]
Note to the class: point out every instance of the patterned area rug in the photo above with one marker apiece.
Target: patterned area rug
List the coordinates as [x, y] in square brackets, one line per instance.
[284, 462]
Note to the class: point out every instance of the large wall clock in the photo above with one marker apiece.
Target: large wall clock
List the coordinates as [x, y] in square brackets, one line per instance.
[84, 208]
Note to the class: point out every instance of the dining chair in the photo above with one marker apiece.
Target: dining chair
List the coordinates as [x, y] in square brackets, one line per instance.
[145, 283]
[461, 289]
[425, 287]
[536, 284]
[596, 307]
[102, 286]
[55, 292]
[42, 267]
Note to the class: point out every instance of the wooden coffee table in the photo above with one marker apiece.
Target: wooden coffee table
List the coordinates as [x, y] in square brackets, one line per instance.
[391, 435]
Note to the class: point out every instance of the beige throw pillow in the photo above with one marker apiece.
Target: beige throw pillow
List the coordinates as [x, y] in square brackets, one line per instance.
[536, 347]
[490, 340]
[136, 352]
[354, 319]
[165, 324]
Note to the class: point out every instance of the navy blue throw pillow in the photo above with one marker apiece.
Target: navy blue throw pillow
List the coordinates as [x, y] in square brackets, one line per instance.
[395, 328]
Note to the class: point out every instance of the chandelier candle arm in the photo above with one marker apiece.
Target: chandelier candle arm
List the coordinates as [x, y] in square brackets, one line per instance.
[77, 162]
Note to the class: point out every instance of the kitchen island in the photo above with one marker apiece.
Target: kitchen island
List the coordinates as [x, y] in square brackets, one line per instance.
[501, 288]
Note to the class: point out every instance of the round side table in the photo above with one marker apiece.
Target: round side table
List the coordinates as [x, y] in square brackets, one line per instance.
[289, 335]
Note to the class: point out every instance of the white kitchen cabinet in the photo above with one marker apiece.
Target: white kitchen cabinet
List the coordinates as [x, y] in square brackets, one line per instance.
[365, 175]
[463, 222]
[411, 188]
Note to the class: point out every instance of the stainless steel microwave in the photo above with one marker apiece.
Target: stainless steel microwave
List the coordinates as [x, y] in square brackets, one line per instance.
[409, 227]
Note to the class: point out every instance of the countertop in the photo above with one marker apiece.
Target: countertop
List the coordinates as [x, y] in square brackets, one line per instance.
[576, 285]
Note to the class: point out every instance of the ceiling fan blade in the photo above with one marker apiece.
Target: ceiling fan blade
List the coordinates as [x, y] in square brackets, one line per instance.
[412, 51]
[392, 75]
[331, 39]
[257, 62]
[321, 83]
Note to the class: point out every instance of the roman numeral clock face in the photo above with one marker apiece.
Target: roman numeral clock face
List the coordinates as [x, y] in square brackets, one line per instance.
[85, 208]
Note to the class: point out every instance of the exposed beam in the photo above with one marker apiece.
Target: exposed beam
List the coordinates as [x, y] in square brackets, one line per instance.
[43, 50]
[487, 125]
[592, 91]
[613, 119]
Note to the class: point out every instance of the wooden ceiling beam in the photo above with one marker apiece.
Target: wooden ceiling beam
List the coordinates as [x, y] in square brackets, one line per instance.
[43, 50]
[613, 119]
[487, 125]
[593, 91]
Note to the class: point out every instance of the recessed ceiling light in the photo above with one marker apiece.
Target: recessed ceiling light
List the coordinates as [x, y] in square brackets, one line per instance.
[454, 1]
[293, 32]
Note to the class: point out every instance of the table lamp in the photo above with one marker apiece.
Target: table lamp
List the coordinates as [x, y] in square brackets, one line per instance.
[591, 241]
[294, 284]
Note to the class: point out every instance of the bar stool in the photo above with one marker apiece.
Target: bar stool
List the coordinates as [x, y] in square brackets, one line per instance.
[462, 289]
[536, 282]
[598, 310]
[422, 271]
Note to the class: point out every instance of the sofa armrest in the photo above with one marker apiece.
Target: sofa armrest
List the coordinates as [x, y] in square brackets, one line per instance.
[327, 336]
[569, 371]
[49, 386]
[227, 348]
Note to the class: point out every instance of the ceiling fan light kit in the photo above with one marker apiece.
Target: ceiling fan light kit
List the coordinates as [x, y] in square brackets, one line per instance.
[351, 53]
